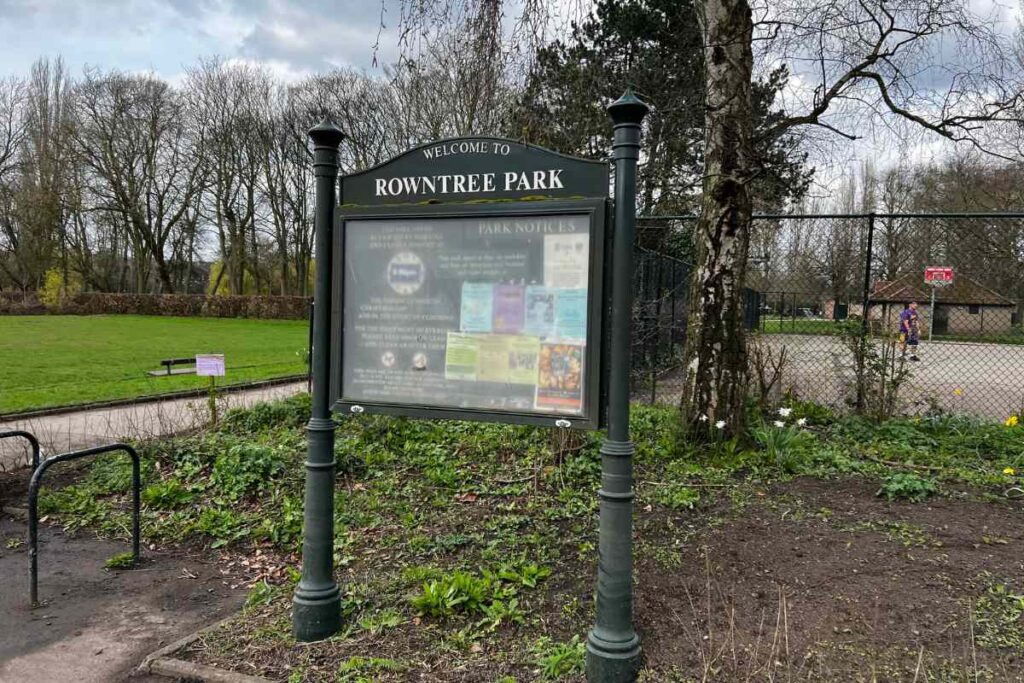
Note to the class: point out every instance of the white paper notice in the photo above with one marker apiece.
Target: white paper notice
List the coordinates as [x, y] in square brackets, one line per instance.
[210, 365]
[565, 260]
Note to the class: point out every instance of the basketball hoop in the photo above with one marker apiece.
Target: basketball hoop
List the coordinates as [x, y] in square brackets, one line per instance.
[938, 276]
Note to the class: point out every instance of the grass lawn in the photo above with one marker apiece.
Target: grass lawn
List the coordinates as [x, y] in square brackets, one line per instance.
[50, 360]
[841, 550]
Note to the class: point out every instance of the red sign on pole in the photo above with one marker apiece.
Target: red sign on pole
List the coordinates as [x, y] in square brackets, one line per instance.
[938, 275]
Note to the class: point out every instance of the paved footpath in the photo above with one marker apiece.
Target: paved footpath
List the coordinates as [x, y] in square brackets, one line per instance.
[95, 625]
[81, 429]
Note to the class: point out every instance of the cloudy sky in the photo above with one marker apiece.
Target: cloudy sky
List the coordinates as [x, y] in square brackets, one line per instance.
[298, 37]
[165, 36]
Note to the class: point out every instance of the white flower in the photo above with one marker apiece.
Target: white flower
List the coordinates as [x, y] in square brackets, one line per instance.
[720, 424]
[780, 423]
[703, 418]
[784, 412]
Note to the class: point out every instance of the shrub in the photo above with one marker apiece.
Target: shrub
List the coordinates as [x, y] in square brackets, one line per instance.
[290, 413]
[55, 289]
[21, 303]
[906, 486]
[70, 300]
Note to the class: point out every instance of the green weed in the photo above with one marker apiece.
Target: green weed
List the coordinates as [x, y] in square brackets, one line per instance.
[357, 669]
[247, 467]
[458, 592]
[677, 496]
[906, 486]
[167, 495]
[120, 561]
[999, 615]
[376, 624]
[557, 660]
[222, 525]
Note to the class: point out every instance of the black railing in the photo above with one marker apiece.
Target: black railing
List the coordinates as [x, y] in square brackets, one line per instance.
[33, 505]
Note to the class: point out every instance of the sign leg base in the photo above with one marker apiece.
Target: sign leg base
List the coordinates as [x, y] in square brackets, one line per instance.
[316, 618]
[612, 661]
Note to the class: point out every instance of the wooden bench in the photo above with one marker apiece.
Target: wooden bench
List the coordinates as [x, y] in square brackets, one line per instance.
[171, 369]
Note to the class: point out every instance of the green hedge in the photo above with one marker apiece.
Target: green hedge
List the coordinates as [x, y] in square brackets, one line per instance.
[188, 305]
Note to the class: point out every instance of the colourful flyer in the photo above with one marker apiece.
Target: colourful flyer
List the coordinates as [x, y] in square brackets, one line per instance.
[560, 378]
[509, 312]
[571, 314]
[477, 307]
[540, 311]
[522, 360]
[494, 359]
[461, 359]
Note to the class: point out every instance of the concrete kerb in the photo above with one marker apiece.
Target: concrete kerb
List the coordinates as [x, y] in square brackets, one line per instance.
[163, 663]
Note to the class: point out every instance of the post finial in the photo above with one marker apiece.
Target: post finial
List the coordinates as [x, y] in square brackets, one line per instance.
[628, 109]
[326, 133]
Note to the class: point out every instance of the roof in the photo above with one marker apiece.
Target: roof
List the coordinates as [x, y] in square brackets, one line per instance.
[911, 287]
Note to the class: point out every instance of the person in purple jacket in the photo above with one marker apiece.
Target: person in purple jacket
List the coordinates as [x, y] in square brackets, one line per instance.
[910, 331]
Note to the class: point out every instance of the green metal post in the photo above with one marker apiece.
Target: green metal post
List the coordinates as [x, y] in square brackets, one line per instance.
[613, 648]
[316, 604]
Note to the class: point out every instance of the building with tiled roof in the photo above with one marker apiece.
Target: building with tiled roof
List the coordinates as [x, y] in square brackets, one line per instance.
[965, 307]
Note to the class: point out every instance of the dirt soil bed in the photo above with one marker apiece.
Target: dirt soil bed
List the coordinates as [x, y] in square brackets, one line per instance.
[810, 580]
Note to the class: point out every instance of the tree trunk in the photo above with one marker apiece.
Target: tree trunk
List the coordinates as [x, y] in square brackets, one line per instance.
[716, 360]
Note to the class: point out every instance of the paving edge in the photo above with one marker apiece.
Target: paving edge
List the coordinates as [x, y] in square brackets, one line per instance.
[160, 663]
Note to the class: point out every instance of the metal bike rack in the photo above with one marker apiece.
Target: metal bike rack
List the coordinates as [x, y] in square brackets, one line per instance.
[33, 441]
[33, 504]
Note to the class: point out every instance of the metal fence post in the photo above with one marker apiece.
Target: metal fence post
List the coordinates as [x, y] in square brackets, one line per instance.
[864, 327]
[613, 648]
[316, 604]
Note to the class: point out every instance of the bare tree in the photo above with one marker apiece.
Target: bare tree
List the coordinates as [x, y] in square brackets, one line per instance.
[223, 116]
[133, 137]
[35, 210]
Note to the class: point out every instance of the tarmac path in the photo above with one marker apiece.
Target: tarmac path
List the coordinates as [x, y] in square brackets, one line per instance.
[81, 429]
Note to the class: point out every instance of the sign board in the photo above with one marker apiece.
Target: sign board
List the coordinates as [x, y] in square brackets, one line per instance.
[210, 365]
[475, 169]
[478, 310]
[938, 276]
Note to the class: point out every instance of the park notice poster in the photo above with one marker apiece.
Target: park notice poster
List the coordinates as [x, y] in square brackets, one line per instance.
[560, 377]
[509, 311]
[566, 260]
[477, 307]
[486, 313]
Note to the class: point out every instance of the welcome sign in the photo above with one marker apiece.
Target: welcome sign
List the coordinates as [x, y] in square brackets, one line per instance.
[473, 169]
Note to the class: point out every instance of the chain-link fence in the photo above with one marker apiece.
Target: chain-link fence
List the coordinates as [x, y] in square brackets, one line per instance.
[812, 278]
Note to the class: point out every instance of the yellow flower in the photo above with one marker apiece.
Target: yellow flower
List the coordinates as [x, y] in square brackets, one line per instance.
[1010, 471]
[1012, 421]
[958, 392]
